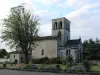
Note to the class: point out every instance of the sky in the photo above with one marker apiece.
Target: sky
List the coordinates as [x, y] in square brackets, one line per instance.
[84, 15]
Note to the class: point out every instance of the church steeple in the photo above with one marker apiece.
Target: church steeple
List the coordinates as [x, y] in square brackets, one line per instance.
[61, 25]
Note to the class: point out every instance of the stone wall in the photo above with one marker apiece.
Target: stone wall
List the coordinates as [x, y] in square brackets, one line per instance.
[49, 48]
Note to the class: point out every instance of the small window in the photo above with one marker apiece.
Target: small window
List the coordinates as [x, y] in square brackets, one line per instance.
[67, 38]
[60, 25]
[55, 25]
[42, 53]
[69, 52]
[14, 56]
[66, 52]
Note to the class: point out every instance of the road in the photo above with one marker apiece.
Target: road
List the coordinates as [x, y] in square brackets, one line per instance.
[14, 72]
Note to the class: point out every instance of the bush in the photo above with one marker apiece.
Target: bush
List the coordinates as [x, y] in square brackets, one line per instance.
[87, 65]
[76, 69]
[15, 61]
[46, 60]
[55, 61]
[58, 67]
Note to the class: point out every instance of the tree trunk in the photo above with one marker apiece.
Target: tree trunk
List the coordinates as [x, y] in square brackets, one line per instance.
[26, 58]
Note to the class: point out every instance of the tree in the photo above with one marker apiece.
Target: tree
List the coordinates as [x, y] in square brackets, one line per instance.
[3, 53]
[87, 65]
[21, 28]
[67, 60]
[70, 60]
[15, 61]
[91, 49]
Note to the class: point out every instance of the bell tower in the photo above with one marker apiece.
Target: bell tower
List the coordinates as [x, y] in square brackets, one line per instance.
[61, 28]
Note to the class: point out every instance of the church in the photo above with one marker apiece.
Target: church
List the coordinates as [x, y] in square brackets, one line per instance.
[59, 44]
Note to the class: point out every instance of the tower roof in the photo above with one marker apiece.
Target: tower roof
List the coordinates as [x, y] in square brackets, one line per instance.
[62, 18]
[73, 42]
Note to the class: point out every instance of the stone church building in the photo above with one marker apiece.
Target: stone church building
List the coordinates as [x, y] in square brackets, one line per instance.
[59, 44]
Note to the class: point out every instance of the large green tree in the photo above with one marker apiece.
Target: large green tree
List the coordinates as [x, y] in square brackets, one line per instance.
[20, 30]
[3, 53]
[91, 49]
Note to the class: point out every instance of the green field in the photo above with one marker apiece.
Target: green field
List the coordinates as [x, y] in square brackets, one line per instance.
[63, 67]
[95, 68]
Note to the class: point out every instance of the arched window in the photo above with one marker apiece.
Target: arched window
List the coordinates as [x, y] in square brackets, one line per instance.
[55, 25]
[60, 25]
[14, 56]
[67, 38]
[59, 38]
[42, 53]
[66, 52]
[69, 52]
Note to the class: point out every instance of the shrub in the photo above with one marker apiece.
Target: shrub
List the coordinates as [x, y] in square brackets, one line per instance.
[58, 67]
[15, 61]
[87, 65]
[55, 61]
[46, 60]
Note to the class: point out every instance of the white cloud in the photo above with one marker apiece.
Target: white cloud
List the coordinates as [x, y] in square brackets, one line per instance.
[41, 12]
[71, 3]
[77, 3]
[45, 30]
[47, 1]
[82, 10]
[85, 21]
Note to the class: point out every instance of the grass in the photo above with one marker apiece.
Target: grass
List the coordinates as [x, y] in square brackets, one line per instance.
[95, 68]
[63, 67]
[7, 65]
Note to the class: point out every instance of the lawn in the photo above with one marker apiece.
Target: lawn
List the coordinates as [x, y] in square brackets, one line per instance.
[7, 65]
[95, 68]
[63, 67]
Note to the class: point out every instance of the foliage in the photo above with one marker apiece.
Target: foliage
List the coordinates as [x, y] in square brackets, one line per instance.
[15, 61]
[87, 65]
[3, 53]
[55, 60]
[46, 60]
[67, 60]
[40, 61]
[76, 69]
[58, 67]
[95, 68]
[70, 60]
[91, 49]
[20, 30]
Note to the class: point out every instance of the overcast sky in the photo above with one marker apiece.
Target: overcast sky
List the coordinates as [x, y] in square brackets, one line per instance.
[83, 14]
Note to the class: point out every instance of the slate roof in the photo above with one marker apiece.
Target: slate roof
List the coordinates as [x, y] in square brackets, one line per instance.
[46, 38]
[73, 42]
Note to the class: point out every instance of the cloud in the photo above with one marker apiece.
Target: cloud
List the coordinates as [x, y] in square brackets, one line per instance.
[45, 30]
[46, 24]
[45, 16]
[76, 3]
[85, 21]
[47, 1]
